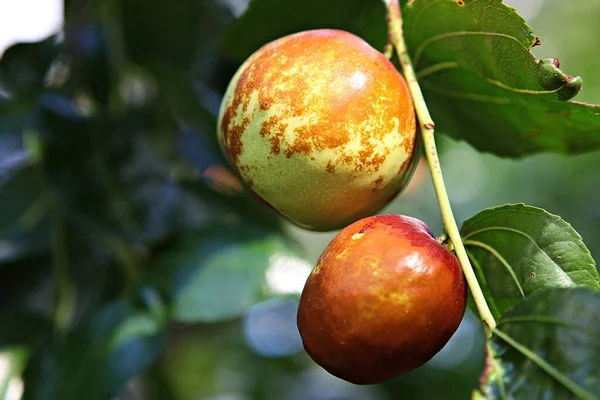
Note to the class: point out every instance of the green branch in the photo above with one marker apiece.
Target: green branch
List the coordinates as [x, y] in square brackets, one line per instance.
[427, 132]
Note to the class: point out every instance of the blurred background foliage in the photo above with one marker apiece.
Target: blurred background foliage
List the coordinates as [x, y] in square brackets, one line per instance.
[134, 265]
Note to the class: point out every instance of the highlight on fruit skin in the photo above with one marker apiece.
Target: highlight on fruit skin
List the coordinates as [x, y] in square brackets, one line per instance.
[321, 126]
[383, 299]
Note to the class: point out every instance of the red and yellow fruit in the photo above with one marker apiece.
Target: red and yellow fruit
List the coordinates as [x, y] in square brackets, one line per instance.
[321, 126]
[384, 298]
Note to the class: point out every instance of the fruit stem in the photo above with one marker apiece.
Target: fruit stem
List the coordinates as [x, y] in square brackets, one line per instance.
[427, 132]
[443, 239]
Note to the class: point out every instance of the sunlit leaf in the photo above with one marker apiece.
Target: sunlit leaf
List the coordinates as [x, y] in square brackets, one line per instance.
[518, 250]
[483, 85]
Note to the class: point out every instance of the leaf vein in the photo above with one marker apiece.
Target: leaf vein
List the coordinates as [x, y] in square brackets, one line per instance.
[502, 260]
[491, 228]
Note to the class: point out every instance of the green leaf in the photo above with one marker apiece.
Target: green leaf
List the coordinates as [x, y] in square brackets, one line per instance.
[218, 272]
[271, 19]
[518, 249]
[547, 348]
[96, 360]
[483, 85]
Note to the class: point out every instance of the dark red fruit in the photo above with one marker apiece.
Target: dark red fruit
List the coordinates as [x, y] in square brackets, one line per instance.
[384, 298]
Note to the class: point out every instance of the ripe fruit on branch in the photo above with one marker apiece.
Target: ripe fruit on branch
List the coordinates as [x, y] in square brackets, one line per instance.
[321, 126]
[384, 298]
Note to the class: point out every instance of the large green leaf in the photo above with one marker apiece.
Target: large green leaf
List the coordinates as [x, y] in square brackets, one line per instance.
[518, 250]
[96, 360]
[547, 348]
[473, 60]
[483, 84]
[218, 272]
